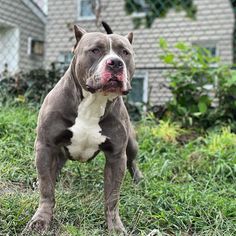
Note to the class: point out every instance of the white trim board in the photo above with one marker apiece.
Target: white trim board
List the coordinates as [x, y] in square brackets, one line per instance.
[36, 10]
[143, 74]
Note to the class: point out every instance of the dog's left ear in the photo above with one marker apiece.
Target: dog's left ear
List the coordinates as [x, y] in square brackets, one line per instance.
[130, 36]
[79, 32]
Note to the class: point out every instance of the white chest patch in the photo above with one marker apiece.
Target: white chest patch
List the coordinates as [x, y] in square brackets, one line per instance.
[86, 131]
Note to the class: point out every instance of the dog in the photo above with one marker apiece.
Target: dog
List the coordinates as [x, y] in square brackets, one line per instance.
[85, 114]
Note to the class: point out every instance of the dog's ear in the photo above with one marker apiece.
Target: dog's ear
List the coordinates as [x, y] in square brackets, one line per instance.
[130, 36]
[79, 32]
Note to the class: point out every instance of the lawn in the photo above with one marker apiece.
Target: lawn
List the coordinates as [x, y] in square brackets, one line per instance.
[189, 188]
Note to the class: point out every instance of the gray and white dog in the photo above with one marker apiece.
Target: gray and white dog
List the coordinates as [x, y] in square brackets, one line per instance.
[84, 114]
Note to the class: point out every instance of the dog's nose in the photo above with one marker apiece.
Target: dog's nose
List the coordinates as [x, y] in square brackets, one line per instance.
[114, 64]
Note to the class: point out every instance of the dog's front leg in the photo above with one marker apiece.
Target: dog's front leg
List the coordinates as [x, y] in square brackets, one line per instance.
[113, 177]
[47, 167]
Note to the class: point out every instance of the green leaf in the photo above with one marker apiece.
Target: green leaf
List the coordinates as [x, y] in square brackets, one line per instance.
[202, 106]
[205, 99]
[169, 58]
[163, 43]
[181, 46]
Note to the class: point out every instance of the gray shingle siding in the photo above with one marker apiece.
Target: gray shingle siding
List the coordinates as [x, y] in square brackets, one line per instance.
[19, 15]
[214, 23]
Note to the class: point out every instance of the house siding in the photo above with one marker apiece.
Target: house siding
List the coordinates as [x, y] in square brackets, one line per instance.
[18, 15]
[214, 23]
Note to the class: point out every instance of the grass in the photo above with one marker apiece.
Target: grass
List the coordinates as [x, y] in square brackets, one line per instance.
[188, 189]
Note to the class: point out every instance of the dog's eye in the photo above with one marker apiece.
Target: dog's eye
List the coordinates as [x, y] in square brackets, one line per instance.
[95, 51]
[125, 52]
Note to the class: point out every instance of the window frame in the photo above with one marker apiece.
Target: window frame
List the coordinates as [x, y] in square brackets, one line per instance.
[82, 18]
[30, 51]
[140, 74]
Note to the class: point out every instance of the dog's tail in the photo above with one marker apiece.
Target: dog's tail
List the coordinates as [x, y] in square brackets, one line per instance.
[107, 27]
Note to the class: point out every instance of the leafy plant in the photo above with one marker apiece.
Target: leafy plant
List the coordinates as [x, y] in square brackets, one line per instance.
[226, 111]
[200, 85]
[31, 86]
[11, 87]
[40, 82]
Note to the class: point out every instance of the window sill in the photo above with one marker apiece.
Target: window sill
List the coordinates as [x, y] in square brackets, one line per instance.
[138, 15]
[86, 18]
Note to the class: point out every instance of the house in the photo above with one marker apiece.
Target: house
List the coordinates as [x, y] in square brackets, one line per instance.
[22, 28]
[213, 29]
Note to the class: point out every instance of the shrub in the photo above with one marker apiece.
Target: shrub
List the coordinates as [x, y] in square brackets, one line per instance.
[32, 86]
[40, 82]
[226, 111]
[203, 93]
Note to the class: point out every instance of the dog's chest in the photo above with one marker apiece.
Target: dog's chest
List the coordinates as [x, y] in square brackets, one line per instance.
[86, 131]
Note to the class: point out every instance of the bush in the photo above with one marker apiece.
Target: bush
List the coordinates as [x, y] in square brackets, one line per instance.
[227, 99]
[204, 91]
[32, 86]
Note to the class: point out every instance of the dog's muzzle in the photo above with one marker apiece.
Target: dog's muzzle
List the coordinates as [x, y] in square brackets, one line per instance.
[112, 78]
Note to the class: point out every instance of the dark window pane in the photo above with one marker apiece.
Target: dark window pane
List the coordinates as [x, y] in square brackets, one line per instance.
[212, 50]
[136, 94]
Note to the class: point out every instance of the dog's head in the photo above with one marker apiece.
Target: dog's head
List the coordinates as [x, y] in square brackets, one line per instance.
[104, 62]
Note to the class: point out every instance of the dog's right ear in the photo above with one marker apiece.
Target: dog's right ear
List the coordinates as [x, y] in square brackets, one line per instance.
[79, 32]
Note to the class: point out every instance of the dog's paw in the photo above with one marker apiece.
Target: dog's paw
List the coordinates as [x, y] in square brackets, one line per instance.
[117, 227]
[117, 230]
[138, 177]
[39, 223]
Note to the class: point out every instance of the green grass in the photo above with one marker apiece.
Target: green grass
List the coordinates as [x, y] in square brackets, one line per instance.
[188, 189]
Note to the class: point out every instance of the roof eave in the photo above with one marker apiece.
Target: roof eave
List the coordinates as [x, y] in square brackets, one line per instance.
[36, 10]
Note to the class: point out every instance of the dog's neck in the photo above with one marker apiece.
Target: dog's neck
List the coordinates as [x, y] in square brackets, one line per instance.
[93, 105]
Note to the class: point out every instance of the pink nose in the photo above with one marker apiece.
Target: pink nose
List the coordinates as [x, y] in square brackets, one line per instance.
[114, 63]
[109, 62]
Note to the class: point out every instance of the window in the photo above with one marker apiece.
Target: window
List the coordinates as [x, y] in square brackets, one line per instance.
[35, 47]
[210, 46]
[139, 92]
[64, 59]
[85, 9]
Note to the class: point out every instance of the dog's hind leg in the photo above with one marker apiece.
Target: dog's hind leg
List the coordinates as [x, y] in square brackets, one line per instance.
[48, 165]
[131, 152]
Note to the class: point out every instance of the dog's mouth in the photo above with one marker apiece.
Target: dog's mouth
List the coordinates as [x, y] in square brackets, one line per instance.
[112, 85]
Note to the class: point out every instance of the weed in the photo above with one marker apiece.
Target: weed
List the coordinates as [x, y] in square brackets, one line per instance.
[167, 131]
